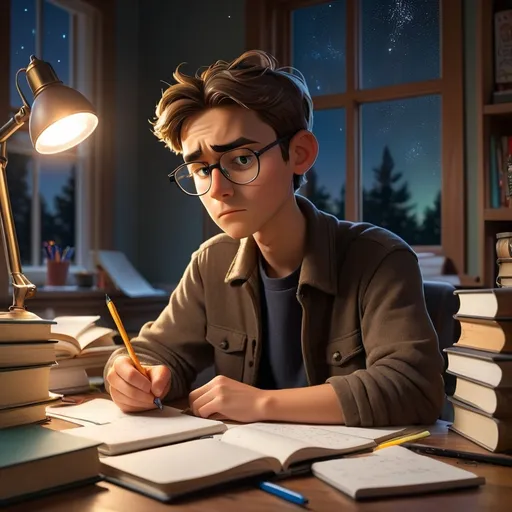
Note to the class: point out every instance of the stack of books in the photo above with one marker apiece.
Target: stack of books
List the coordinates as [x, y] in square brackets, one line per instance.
[482, 362]
[82, 350]
[26, 356]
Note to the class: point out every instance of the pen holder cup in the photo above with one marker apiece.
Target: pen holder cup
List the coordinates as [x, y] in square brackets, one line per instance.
[57, 272]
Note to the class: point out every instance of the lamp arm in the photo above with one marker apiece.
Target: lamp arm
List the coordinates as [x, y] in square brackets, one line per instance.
[22, 287]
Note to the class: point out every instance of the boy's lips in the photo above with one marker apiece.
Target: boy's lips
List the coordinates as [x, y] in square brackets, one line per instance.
[228, 212]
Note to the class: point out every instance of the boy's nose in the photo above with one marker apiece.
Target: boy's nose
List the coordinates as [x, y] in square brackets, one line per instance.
[221, 186]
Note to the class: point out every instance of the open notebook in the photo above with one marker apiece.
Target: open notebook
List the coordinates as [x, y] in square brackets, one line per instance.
[120, 432]
[390, 472]
[241, 452]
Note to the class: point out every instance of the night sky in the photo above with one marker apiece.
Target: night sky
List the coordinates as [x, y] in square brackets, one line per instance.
[55, 49]
[400, 44]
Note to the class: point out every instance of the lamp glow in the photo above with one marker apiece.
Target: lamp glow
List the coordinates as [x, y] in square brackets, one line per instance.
[66, 133]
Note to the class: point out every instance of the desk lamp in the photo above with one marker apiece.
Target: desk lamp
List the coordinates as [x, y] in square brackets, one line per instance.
[60, 118]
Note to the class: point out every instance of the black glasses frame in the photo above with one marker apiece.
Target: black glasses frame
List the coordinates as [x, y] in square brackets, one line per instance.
[210, 167]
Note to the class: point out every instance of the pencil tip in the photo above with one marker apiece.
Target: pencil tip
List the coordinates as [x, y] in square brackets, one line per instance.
[158, 403]
[107, 298]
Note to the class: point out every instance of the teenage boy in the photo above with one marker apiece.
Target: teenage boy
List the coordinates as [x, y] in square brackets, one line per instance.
[305, 318]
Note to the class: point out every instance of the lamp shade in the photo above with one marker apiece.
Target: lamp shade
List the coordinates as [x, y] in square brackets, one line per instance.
[61, 118]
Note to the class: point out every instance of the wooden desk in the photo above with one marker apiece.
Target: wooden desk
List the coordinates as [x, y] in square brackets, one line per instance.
[495, 495]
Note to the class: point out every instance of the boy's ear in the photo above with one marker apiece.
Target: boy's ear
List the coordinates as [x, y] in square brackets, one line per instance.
[303, 151]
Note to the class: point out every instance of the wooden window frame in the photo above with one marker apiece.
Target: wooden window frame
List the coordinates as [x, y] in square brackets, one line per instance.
[101, 215]
[268, 27]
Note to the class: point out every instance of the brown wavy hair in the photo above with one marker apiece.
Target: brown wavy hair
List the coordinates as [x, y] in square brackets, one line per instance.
[279, 96]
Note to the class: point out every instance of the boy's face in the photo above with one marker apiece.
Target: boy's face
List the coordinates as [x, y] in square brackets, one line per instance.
[240, 210]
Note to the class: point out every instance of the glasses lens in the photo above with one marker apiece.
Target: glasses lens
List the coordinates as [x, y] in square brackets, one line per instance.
[241, 165]
[193, 178]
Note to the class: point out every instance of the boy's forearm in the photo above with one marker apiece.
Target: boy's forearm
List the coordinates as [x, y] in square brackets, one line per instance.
[315, 404]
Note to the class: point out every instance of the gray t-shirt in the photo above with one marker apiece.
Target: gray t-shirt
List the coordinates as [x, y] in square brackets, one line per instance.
[281, 363]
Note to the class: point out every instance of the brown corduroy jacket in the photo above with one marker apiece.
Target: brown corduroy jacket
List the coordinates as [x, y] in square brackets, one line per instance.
[365, 327]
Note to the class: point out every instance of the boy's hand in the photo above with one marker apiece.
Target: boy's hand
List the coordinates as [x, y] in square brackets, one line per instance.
[229, 399]
[131, 391]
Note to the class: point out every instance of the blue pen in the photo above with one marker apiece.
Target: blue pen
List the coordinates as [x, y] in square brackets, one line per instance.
[285, 494]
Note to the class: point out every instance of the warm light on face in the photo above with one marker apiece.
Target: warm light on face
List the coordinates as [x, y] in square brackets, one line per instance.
[66, 133]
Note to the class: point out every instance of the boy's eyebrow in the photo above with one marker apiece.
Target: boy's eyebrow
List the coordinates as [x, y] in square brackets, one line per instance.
[241, 141]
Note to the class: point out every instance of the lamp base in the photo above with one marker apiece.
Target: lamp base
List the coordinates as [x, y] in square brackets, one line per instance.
[22, 316]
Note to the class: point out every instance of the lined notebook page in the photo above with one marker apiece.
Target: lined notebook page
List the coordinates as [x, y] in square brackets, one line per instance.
[99, 411]
[392, 471]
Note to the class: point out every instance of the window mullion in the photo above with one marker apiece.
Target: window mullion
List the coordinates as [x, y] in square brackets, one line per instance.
[39, 28]
[35, 235]
[352, 169]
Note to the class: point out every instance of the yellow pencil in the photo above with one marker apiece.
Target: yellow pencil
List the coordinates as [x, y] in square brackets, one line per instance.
[401, 440]
[133, 356]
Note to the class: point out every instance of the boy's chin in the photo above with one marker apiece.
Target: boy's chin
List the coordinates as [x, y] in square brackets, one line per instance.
[237, 232]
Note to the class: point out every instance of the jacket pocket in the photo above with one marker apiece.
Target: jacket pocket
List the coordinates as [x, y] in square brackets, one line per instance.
[346, 354]
[229, 351]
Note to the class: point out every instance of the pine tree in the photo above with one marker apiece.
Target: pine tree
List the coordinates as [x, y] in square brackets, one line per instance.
[431, 228]
[340, 204]
[18, 177]
[315, 193]
[387, 205]
[65, 213]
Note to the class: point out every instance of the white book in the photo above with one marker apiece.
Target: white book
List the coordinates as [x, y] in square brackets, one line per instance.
[392, 471]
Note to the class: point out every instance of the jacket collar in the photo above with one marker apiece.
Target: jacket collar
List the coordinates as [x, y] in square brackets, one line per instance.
[319, 264]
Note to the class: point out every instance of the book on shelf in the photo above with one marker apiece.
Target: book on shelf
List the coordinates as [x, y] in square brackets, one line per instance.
[482, 428]
[496, 401]
[504, 278]
[395, 471]
[504, 245]
[79, 336]
[245, 451]
[485, 303]
[35, 461]
[27, 354]
[485, 334]
[485, 367]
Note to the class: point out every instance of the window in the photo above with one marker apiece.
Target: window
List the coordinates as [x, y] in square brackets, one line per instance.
[50, 194]
[385, 77]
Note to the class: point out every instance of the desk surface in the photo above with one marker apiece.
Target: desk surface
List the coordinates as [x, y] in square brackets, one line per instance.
[495, 495]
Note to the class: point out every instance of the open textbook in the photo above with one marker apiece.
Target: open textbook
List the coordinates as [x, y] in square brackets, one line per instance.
[241, 452]
[80, 336]
[392, 471]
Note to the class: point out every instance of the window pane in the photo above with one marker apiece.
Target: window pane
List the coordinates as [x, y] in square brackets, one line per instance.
[58, 200]
[401, 165]
[399, 41]
[325, 185]
[19, 179]
[56, 39]
[318, 46]
[23, 45]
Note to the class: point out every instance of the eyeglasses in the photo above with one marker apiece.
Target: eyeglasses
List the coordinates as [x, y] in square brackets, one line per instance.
[240, 166]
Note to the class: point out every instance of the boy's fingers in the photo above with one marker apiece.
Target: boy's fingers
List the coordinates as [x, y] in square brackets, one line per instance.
[160, 377]
[123, 366]
[120, 385]
[127, 404]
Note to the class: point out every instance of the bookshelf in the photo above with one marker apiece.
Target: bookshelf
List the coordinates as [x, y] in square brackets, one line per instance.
[494, 120]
